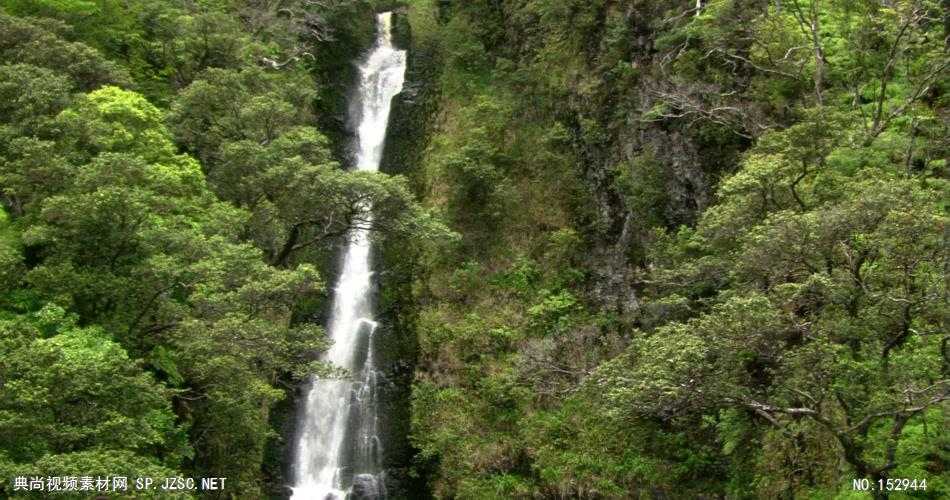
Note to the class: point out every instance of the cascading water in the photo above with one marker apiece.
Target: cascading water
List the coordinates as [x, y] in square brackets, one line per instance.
[338, 451]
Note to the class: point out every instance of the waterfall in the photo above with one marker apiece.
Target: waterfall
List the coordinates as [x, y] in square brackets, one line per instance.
[338, 451]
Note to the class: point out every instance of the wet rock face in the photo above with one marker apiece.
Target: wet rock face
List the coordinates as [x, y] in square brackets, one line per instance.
[413, 112]
[402, 32]
[689, 158]
[687, 183]
[612, 232]
[687, 168]
[366, 487]
[411, 122]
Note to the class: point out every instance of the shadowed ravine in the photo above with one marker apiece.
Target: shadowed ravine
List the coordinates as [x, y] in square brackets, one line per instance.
[338, 448]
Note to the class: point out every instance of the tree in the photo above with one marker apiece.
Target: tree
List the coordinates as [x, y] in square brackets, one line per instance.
[38, 43]
[297, 205]
[69, 389]
[195, 41]
[228, 105]
[157, 263]
[125, 233]
[829, 319]
[116, 121]
[93, 464]
[31, 97]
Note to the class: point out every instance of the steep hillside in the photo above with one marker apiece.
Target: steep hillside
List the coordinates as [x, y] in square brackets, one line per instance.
[173, 191]
[704, 252]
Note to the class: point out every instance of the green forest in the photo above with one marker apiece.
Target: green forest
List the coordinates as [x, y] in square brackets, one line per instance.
[645, 249]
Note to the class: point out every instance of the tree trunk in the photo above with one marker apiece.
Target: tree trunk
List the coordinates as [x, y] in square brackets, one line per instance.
[280, 259]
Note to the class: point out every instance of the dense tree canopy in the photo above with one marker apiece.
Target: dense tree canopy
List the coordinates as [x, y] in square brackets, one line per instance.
[702, 250]
[167, 202]
[734, 280]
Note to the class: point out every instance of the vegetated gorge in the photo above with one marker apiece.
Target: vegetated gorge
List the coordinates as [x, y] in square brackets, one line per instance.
[476, 249]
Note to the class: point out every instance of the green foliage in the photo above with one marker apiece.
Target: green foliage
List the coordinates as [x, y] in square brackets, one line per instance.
[69, 389]
[851, 262]
[117, 121]
[11, 256]
[479, 197]
[31, 97]
[644, 183]
[239, 102]
[98, 463]
[168, 292]
[40, 43]
[100, 23]
[790, 337]
[133, 240]
[170, 182]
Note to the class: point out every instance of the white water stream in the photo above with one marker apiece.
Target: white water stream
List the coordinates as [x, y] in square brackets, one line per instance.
[338, 452]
